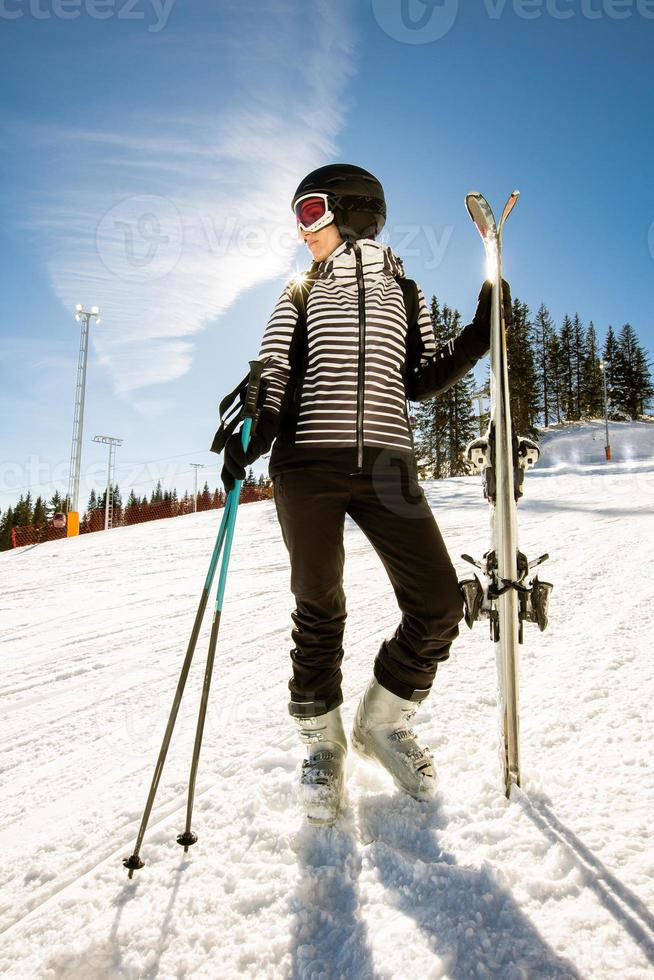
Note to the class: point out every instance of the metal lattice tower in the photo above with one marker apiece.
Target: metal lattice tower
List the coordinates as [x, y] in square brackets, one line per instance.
[109, 495]
[84, 316]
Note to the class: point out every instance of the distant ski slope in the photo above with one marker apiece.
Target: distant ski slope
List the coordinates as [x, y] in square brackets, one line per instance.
[556, 883]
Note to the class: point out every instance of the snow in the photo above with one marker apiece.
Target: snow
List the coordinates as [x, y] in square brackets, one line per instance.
[557, 882]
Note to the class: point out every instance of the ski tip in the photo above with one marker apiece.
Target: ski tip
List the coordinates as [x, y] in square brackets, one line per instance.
[508, 208]
[482, 215]
[473, 201]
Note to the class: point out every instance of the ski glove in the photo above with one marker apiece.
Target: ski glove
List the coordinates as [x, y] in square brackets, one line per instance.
[236, 458]
[482, 317]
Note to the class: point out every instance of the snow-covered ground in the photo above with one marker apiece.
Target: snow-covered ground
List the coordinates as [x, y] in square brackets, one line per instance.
[556, 883]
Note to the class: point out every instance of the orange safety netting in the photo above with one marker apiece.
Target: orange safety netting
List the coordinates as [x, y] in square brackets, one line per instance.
[93, 520]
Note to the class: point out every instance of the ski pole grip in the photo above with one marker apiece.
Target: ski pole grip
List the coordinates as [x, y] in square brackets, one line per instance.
[252, 393]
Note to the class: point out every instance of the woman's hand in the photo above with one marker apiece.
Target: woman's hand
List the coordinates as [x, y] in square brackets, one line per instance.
[236, 458]
[482, 317]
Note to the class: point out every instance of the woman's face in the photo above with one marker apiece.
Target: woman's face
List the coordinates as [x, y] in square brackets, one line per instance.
[322, 243]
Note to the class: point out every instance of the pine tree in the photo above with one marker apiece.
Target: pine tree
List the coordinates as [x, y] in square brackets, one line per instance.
[643, 381]
[157, 494]
[609, 357]
[93, 501]
[6, 523]
[631, 377]
[542, 342]
[23, 511]
[56, 504]
[40, 514]
[567, 396]
[432, 416]
[523, 382]
[462, 422]
[592, 399]
[556, 378]
[578, 351]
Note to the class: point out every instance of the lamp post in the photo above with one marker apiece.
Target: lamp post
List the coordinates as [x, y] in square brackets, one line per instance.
[607, 447]
[84, 317]
[109, 495]
[196, 467]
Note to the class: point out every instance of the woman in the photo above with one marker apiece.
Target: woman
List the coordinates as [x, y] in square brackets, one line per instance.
[343, 352]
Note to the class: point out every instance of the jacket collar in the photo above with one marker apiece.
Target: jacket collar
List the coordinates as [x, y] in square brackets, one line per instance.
[376, 258]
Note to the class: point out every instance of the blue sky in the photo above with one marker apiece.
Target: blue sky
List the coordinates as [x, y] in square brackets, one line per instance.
[151, 153]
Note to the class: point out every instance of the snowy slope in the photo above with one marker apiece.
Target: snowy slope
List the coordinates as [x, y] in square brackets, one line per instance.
[556, 883]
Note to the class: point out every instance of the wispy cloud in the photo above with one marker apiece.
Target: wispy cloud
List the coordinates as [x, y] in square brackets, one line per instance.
[165, 221]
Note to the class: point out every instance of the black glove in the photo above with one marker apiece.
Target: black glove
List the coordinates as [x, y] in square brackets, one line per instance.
[482, 317]
[236, 458]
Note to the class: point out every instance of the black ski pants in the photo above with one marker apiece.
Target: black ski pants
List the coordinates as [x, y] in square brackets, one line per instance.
[393, 513]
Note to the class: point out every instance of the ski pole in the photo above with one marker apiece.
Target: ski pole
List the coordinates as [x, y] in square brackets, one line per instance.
[187, 838]
[134, 861]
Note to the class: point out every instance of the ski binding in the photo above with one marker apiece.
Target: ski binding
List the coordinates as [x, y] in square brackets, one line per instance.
[479, 455]
[481, 592]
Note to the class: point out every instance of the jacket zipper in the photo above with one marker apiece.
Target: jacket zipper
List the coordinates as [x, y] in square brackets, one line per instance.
[362, 357]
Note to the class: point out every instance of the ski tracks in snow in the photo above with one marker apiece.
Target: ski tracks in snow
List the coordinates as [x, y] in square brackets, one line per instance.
[556, 883]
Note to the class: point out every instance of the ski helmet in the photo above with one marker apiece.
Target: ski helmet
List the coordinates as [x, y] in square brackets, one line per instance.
[356, 198]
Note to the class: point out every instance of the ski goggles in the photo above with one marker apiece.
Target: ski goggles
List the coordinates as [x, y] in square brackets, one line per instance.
[312, 212]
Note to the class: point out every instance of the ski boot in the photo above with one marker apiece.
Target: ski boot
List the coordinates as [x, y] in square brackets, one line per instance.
[381, 732]
[322, 778]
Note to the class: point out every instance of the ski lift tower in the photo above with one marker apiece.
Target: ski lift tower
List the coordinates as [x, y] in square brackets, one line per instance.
[479, 397]
[72, 505]
[196, 467]
[109, 495]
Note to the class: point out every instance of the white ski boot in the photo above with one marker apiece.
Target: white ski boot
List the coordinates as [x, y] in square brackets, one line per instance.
[322, 778]
[381, 732]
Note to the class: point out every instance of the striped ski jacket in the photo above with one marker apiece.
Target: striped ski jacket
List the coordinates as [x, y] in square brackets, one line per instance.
[339, 377]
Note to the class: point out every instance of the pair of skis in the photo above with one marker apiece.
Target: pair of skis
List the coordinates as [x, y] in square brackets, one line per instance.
[503, 590]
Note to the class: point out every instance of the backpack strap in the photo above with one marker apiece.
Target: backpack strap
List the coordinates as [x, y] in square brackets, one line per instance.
[414, 345]
[232, 411]
[299, 348]
[300, 293]
[410, 295]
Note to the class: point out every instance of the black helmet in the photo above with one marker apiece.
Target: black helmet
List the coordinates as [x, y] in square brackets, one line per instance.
[356, 196]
